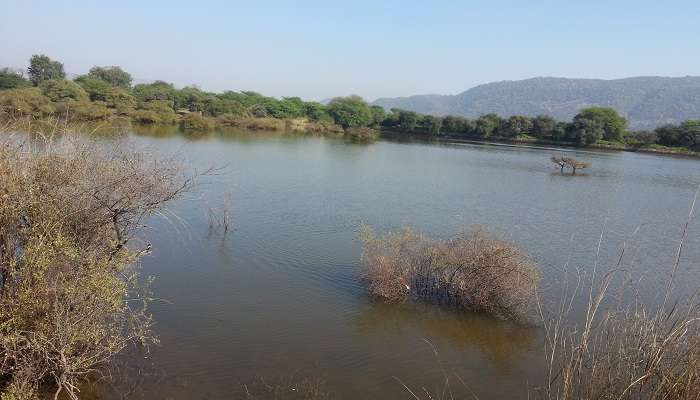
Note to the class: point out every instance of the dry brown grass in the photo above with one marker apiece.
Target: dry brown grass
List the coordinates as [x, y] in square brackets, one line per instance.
[70, 296]
[621, 348]
[473, 271]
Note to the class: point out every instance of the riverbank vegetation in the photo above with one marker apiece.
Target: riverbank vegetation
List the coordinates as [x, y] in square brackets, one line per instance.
[622, 347]
[70, 294]
[473, 271]
[105, 93]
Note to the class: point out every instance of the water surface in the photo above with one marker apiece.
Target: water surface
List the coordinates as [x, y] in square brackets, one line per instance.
[279, 294]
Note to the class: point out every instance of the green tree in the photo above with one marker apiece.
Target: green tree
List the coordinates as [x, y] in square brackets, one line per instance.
[487, 125]
[378, 115]
[288, 107]
[42, 68]
[216, 106]
[113, 75]
[96, 88]
[116, 97]
[586, 130]
[690, 133]
[516, 125]
[432, 124]
[350, 111]
[543, 126]
[668, 135]
[316, 112]
[614, 124]
[408, 120]
[157, 90]
[10, 79]
[190, 98]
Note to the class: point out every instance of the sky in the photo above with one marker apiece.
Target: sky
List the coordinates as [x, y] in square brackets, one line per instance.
[383, 48]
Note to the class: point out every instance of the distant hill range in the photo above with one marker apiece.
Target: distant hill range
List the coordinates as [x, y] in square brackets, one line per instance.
[646, 101]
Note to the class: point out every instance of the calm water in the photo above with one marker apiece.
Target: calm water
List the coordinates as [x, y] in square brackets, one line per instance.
[279, 296]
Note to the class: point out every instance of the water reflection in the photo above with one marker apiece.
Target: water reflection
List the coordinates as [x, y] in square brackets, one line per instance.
[502, 342]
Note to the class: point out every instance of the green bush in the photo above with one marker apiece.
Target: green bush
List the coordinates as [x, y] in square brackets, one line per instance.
[12, 80]
[83, 110]
[145, 116]
[194, 121]
[27, 101]
[161, 109]
[63, 90]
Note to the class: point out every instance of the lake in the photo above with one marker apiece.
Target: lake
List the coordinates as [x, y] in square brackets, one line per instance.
[278, 296]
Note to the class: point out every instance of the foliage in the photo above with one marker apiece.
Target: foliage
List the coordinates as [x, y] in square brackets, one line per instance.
[156, 111]
[407, 120]
[10, 79]
[26, 101]
[350, 111]
[114, 76]
[194, 121]
[473, 271]
[95, 88]
[378, 115]
[317, 112]
[63, 90]
[432, 124]
[216, 106]
[69, 294]
[42, 68]
[190, 98]
[613, 125]
[158, 90]
[515, 126]
[585, 131]
[487, 125]
[83, 110]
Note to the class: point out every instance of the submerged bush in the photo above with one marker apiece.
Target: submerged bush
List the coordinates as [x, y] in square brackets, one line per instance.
[473, 271]
[70, 299]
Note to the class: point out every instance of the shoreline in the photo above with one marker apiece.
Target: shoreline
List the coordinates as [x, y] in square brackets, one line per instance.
[305, 126]
[543, 144]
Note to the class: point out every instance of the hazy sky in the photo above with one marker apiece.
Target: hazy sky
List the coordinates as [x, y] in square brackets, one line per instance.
[321, 49]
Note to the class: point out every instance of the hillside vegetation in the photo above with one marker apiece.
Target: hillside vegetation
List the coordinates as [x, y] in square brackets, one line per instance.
[647, 102]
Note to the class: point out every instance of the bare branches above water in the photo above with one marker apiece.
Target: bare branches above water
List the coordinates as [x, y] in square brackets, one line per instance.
[474, 271]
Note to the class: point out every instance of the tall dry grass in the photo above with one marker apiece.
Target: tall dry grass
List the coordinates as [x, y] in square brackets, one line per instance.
[621, 348]
[474, 271]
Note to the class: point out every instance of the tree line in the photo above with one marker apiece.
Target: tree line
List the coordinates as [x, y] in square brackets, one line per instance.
[108, 91]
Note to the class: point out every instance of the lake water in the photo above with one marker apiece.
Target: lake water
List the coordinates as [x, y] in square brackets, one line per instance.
[278, 296]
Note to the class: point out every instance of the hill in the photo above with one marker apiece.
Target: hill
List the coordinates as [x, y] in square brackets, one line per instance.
[646, 101]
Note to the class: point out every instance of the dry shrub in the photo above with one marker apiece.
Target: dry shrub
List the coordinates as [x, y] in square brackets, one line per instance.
[621, 348]
[70, 297]
[473, 271]
[570, 162]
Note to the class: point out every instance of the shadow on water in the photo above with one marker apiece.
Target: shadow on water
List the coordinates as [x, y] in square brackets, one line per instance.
[501, 342]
